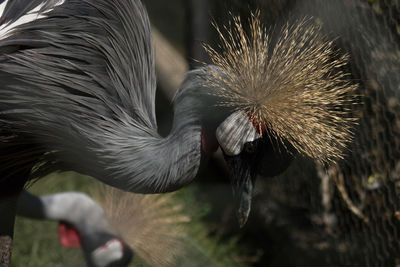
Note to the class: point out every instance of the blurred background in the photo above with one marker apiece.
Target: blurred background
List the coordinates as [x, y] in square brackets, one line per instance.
[342, 215]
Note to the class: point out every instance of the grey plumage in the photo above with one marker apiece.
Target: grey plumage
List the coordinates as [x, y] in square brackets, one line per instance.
[75, 208]
[78, 89]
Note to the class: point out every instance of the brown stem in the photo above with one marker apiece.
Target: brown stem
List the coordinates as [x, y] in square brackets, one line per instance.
[5, 250]
[339, 181]
[7, 218]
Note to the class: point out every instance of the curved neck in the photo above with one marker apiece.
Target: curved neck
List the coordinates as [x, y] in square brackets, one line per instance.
[139, 160]
[172, 162]
[75, 208]
[182, 151]
[175, 160]
[133, 157]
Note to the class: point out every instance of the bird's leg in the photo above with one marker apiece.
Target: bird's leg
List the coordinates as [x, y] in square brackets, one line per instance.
[7, 211]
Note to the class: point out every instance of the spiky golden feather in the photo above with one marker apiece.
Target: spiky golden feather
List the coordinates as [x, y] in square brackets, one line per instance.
[294, 90]
[153, 225]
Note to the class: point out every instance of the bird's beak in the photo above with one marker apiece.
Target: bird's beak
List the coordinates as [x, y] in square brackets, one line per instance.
[242, 176]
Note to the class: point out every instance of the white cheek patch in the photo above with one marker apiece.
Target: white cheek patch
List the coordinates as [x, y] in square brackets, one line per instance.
[40, 11]
[112, 251]
[234, 132]
[3, 7]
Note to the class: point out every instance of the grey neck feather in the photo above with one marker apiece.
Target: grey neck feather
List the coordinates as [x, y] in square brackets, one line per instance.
[75, 208]
[152, 164]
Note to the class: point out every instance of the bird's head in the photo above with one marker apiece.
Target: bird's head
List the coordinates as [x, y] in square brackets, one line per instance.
[287, 96]
[100, 249]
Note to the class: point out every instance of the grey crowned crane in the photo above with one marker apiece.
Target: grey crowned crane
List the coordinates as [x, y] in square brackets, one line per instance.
[83, 223]
[78, 88]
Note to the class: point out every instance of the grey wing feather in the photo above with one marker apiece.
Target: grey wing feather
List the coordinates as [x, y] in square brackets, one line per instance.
[84, 65]
[100, 49]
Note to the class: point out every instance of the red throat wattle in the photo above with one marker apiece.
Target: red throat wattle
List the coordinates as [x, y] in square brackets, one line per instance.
[68, 235]
[209, 143]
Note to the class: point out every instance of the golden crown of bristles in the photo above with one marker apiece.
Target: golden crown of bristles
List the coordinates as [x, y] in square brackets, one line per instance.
[153, 225]
[293, 91]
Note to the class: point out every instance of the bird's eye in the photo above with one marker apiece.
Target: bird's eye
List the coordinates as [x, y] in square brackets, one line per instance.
[250, 147]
